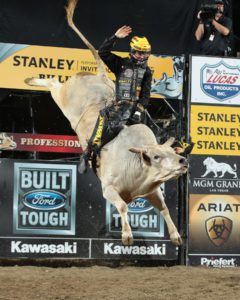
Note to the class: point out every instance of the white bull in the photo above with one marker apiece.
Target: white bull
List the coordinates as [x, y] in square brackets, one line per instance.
[133, 164]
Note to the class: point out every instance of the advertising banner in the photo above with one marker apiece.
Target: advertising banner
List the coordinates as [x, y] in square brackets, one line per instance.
[49, 210]
[18, 62]
[44, 199]
[144, 219]
[168, 76]
[150, 249]
[215, 80]
[39, 142]
[33, 247]
[214, 174]
[214, 197]
[214, 130]
[214, 225]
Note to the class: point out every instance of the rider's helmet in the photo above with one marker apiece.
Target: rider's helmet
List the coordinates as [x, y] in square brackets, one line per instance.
[140, 49]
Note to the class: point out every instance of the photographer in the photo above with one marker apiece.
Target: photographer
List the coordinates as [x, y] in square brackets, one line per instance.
[213, 29]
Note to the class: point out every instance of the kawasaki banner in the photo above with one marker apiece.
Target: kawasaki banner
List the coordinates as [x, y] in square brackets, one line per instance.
[48, 210]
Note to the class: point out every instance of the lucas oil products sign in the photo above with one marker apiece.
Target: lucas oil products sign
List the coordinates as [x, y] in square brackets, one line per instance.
[215, 80]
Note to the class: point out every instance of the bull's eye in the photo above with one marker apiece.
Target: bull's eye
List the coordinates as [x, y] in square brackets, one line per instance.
[156, 157]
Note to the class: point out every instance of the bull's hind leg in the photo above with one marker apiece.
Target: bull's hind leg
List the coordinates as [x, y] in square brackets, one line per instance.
[110, 193]
[157, 200]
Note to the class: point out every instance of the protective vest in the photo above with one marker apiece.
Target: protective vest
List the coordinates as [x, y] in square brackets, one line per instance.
[129, 82]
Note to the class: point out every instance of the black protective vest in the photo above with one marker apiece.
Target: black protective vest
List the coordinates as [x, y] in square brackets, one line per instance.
[129, 82]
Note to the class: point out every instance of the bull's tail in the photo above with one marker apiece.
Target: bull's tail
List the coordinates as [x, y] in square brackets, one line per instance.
[70, 11]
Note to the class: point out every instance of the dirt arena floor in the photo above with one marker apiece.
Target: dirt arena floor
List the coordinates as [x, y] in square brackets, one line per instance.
[127, 282]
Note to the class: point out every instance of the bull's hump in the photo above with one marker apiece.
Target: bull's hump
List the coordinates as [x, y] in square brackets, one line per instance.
[140, 133]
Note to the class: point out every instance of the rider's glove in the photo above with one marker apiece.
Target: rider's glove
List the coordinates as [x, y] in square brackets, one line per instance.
[137, 116]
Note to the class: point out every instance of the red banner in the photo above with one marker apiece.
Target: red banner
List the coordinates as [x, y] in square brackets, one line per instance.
[39, 142]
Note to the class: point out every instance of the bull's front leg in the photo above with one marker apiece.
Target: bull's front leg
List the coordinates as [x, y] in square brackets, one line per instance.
[110, 193]
[157, 200]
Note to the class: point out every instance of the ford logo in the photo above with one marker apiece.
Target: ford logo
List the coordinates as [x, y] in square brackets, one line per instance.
[139, 205]
[44, 200]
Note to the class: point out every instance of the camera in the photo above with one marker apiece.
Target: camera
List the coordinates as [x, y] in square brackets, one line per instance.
[208, 12]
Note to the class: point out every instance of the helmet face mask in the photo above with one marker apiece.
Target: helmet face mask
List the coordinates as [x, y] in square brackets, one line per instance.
[140, 55]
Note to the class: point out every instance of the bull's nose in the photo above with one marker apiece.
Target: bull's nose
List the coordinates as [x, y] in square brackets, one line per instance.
[183, 161]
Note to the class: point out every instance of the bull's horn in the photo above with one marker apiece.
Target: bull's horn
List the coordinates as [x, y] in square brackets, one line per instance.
[169, 142]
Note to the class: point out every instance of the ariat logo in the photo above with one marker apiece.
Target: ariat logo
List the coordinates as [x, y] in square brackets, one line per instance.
[110, 248]
[218, 229]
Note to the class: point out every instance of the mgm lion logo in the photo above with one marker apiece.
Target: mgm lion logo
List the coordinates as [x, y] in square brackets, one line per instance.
[218, 229]
[215, 167]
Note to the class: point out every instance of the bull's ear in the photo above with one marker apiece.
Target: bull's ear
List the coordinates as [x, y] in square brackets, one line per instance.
[136, 150]
[144, 155]
[169, 142]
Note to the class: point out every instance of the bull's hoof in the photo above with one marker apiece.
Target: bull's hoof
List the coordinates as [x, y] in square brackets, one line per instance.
[127, 240]
[176, 239]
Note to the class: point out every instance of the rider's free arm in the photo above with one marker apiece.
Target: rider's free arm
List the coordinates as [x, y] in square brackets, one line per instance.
[113, 61]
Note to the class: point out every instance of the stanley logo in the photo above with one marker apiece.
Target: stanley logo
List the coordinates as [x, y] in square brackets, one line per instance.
[218, 229]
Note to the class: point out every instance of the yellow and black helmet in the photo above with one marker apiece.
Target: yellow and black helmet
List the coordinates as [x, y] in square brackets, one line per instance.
[140, 44]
